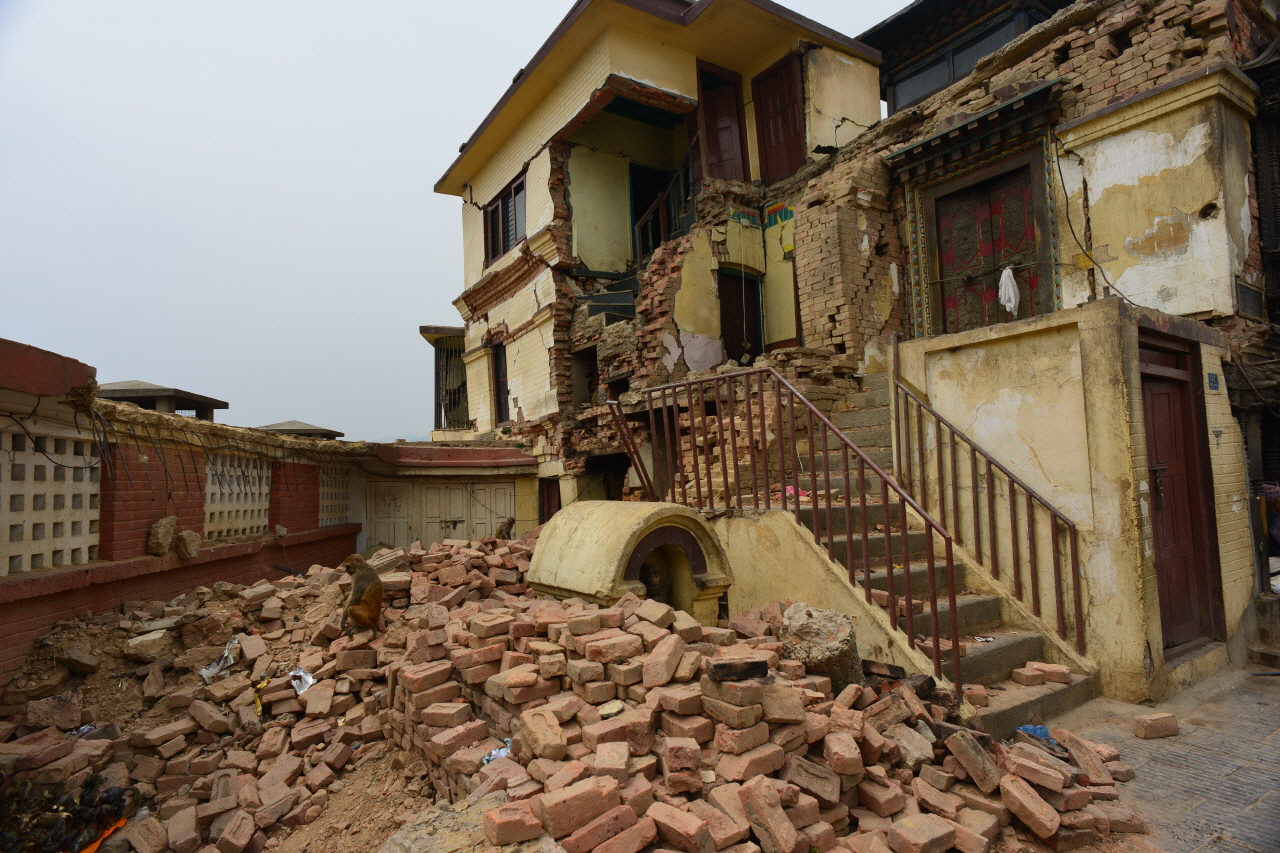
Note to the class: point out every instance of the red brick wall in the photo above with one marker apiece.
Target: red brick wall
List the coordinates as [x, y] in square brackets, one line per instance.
[136, 494]
[31, 603]
[295, 496]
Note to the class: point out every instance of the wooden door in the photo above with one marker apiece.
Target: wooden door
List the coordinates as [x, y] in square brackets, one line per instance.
[741, 326]
[780, 120]
[490, 505]
[1181, 521]
[391, 514]
[721, 110]
[444, 512]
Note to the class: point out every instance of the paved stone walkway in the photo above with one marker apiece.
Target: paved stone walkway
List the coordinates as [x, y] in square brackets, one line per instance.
[1215, 787]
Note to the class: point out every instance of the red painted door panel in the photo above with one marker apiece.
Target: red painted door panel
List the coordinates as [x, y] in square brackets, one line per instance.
[723, 126]
[982, 230]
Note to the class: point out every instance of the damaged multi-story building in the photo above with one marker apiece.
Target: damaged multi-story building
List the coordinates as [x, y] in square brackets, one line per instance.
[1012, 261]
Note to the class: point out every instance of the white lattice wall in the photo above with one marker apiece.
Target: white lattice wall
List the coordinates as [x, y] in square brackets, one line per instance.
[49, 493]
[237, 496]
[333, 494]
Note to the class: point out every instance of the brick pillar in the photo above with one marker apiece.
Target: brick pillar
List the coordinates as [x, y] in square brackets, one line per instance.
[295, 496]
[139, 488]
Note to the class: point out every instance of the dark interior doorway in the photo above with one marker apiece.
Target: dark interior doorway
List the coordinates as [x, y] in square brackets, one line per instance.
[741, 322]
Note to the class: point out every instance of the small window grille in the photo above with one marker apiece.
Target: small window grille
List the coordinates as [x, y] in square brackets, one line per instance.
[34, 506]
[333, 495]
[237, 496]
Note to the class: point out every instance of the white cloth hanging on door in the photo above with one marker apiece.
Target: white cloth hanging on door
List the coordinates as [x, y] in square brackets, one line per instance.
[1009, 292]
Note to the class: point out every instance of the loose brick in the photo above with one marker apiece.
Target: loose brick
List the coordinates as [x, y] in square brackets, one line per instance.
[1150, 726]
[682, 830]
[511, 823]
[569, 809]
[763, 808]
[631, 840]
[1040, 817]
[921, 833]
[754, 762]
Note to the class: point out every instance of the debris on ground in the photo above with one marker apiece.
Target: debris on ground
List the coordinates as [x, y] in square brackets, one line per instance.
[549, 724]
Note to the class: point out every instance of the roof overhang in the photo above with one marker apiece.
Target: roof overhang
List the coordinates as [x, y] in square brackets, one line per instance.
[435, 333]
[428, 456]
[701, 28]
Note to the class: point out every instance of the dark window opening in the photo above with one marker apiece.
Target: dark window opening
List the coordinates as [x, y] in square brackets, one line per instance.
[504, 221]
[720, 111]
[779, 101]
[612, 469]
[979, 231]
[1266, 141]
[451, 384]
[741, 323]
[618, 387]
[584, 375]
[953, 61]
[501, 391]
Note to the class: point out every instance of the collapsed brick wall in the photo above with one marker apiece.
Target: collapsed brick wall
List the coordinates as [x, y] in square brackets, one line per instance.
[140, 486]
[30, 604]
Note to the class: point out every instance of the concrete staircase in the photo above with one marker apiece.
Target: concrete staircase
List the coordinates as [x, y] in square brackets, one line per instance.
[867, 422]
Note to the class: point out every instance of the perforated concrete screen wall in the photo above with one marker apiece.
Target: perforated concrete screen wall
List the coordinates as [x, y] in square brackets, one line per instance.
[49, 492]
[237, 496]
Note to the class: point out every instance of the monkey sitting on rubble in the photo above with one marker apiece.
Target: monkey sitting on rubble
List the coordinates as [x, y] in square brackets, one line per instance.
[507, 528]
[364, 607]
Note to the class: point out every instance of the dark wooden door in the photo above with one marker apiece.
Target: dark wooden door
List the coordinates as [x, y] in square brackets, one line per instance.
[722, 128]
[780, 120]
[741, 325]
[1180, 517]
[982, 230]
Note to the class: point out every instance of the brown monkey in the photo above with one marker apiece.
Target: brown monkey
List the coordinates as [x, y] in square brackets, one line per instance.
[364, 608]
[506, 529]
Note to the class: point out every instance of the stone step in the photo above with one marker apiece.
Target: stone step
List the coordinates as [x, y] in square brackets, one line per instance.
[869, 399]
[811, 480]
[871, 436]
[858, 418]
[1017, 704]
[1265, 655]
[977, 614]
[877, 548]
[875, 515]
[991, 663]
[875, 381]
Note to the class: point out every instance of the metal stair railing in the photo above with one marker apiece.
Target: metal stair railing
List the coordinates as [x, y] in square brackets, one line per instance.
[960, 464]
[749, 439]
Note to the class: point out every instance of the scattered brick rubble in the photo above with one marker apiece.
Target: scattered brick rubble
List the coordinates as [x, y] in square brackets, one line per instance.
[616, 729]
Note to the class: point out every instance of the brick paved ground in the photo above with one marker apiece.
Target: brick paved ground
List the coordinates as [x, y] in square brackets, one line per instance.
[1215, 787]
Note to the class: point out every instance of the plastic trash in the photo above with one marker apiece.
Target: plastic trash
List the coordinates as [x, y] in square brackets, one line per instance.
[85, 729]
[301, 679]
[978, 639]
[223, 663]
[502, 752]
[1041, 732]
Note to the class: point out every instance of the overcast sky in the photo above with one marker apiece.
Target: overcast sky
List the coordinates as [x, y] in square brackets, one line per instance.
[234, 198]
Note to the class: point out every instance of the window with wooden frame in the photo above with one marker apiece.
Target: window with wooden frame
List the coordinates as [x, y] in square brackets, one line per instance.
[504, 221]
[501, 388]
[978, 225]
[779, 101]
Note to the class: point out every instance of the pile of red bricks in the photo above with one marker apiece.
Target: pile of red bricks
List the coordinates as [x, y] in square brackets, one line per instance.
[634, 727]
[225, 763]
[619, 729]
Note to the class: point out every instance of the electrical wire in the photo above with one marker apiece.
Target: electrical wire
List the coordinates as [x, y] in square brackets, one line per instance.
[1066, 213]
